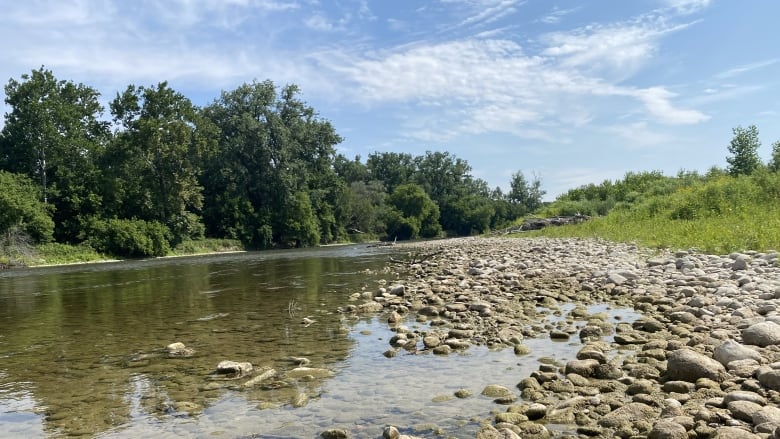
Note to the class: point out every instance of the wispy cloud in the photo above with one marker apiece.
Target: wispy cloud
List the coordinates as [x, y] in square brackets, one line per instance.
[639, 135]
[497, 87]
[745, 68]
[557, 14]
[687, 6]
[481, 12]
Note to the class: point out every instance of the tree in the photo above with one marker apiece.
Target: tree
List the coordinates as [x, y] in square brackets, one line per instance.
[744, 151]
[366, 206]
[54, 134]
[272, 174]
[774, 163]
[22, 210]
[350, 170]
[155, 160]
[414, 214]
[524, 194]
[391, 168]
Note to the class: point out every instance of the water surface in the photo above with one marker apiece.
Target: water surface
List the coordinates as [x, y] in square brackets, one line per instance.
[82, 351]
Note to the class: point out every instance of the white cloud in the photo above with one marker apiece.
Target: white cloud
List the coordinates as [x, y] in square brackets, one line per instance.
[618, 50]
[657, 100]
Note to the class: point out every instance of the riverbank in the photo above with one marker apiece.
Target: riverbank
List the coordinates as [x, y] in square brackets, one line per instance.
[701, 361]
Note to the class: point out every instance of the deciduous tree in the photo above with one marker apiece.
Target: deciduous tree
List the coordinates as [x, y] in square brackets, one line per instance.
[744, 151]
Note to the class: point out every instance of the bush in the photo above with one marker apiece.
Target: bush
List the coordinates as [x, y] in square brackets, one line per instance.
[128, 237]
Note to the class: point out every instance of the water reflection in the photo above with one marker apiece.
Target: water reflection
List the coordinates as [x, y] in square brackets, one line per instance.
[82, 352]
[84, 345]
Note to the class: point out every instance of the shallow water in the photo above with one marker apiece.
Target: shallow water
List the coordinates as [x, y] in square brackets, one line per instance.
[82, 352]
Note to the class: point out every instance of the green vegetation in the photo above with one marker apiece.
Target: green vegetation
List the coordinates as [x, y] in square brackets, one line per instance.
[257, 166]
[720, 212]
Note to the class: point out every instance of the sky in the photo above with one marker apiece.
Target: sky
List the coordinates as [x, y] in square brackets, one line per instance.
[571, 92]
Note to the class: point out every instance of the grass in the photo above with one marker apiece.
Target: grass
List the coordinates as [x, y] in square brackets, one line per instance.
[751, 227]
[57, 254]
[207, 245]
[60, 254]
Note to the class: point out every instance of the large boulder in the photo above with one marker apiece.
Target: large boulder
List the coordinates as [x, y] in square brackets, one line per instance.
[732, 351]
[762, 334]
[688, 365]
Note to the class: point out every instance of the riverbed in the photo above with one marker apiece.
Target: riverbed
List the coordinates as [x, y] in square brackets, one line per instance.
[83, 351]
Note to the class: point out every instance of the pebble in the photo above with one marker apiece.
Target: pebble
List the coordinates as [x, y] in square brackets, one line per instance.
[701, 360]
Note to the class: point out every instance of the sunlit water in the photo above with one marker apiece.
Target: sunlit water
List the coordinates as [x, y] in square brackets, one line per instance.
[82, 352]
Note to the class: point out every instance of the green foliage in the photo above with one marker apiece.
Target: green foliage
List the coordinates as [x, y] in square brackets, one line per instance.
[58, 253]
[128, 237]
[528, 196]
[21, 208]
[366, 207]
[744, 151]
[156, 157]
[774, 162]
[718, 214]
[414, 214]
[54, 134]
[207, 245]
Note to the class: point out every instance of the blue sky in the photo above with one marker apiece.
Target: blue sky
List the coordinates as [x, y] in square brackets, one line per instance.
[571, 91]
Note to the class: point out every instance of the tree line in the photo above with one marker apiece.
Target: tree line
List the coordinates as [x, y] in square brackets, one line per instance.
[257, 164]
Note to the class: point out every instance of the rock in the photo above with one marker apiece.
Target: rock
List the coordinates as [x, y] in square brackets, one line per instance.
[179, 350]
[490, 432]
[667, 429]
[688, 365]
[733, 433]
[742, 395]
[496, 391]
[300, 400]
[532, 430]
[391, 433]
[767, 415]
[238, 369]
[398, 290]
[265, 374]
[762, 334]
[743, 410]
[521, 349]
[732, 351]
[335, 433]
[769, 378]
[463, 393]
[581, 367]
[187, 407]
[627, 415]
[431, 341]
[536, 411]
[300, 372]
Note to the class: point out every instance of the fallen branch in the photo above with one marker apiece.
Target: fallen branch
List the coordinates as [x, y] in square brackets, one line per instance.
[416, 258]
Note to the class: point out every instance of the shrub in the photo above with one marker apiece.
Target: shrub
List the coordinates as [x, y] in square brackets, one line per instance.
[128, 237]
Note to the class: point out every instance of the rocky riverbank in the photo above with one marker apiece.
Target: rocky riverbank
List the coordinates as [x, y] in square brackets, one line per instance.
[703, 360]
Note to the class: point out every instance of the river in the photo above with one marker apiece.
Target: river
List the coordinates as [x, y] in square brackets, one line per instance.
[82, 351]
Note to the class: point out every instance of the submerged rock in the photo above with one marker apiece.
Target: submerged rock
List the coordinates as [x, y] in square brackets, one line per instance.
[237, 369]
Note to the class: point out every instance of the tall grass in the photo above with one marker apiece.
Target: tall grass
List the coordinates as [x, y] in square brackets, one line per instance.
[718, 215]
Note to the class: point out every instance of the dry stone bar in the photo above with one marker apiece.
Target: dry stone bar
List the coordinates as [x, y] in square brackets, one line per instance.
[702, 360]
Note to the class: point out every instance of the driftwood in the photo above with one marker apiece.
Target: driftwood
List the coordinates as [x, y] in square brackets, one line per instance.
[540, 223]
[415, 258]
